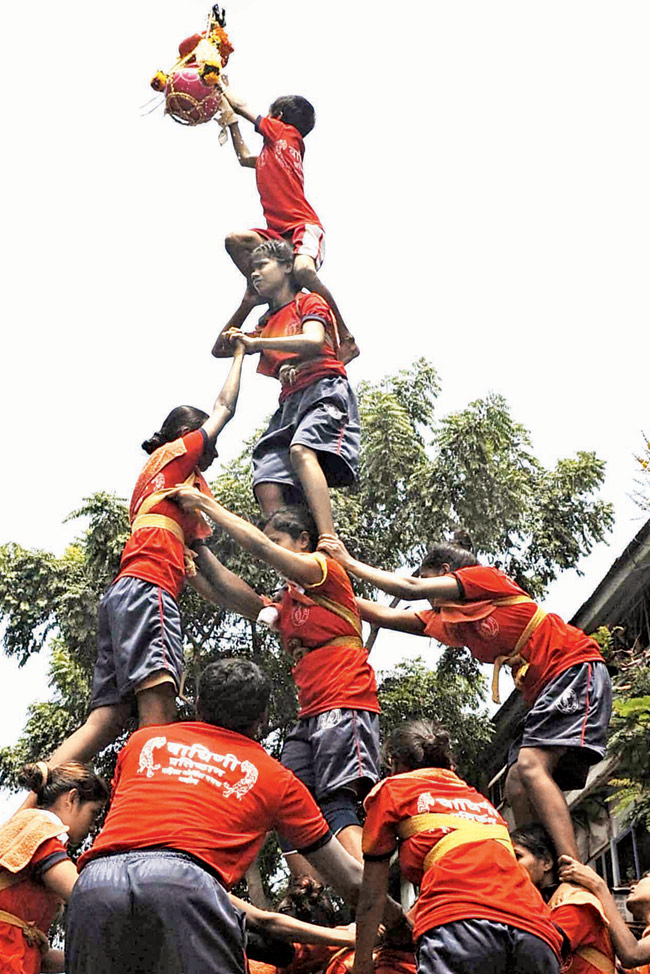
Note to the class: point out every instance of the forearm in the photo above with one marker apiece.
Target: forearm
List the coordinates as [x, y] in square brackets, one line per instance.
[227, 398]
[219, 585]
[243, 532]
[387, 617]
[369, 912]
[244, 155]
[403, 586]
[300, 345]
[223, 347]
[629, 950]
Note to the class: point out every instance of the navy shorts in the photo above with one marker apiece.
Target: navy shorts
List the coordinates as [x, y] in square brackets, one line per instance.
[336, 755]
[323, 417]
[152, 911]
[572, 711]
[483, 947]
[138, 634]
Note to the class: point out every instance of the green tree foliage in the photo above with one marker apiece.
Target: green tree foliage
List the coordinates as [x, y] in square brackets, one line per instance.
[420, 477]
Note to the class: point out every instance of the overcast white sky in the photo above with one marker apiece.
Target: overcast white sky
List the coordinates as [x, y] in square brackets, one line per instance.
[481, 170]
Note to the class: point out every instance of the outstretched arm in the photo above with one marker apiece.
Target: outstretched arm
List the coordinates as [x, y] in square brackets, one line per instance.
[302, 568]
[225, 403]
[217, 584]
[238, 104]
[289, 928]
[243, 153]
[404, 587]
[306, 344]
[385, 617]
[630, 951]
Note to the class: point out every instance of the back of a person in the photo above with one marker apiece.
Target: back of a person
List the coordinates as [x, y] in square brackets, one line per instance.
[478, 878]
[579, 914]
[195, 788]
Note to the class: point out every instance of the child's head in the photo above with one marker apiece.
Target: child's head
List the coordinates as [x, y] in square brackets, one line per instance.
[449, 556]
[638, 902]
[419, 744]
[306, 899]
[234, 693]
[535, 851]
[294, 110]
[72, 791]
[271, 267]
[292, 528]
[181, 420]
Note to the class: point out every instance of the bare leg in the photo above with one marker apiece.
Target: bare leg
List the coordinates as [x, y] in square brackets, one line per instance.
[157, 705]
[350, 839]
[519, 798]
[305, 462]
[102, 726]
[270, 497]
[535, 767]
[304, 272]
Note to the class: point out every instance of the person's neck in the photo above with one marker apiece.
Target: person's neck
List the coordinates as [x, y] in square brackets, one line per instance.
[286, 294]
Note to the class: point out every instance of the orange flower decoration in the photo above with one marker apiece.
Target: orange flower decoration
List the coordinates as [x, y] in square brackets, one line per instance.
[159, 81]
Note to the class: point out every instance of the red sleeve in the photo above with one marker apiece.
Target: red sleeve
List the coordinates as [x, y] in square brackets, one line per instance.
[577, 921]
[314, 306]
[379, 831]
[48, 854]
[445, 632]
[299, 817]
[271, 128]
[178, 470]
[483, 582]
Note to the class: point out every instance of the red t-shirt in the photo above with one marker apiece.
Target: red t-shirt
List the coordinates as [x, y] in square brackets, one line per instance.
[289, 320]
[211, 792]
[480, 880]
[584, 924]
[331, 677]
[33, 902]
[552, 648]
[280, 177]
[154, 554]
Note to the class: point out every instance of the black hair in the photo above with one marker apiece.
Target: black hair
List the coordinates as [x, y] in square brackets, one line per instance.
[456, 553]
[420, 744]
[276, 250]
[233, 693]
[182, 417]
[294, 110]
[306, 899]
[293, 520]
[50, 783]
[537, 840]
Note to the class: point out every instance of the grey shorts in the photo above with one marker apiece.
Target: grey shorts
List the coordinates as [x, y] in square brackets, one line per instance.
[138, 634]
[336, 755]
[152, 911]
[572, 711]
[323, 417]
[483, 947]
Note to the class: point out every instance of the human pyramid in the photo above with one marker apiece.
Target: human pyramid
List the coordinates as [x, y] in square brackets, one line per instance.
[193, 801]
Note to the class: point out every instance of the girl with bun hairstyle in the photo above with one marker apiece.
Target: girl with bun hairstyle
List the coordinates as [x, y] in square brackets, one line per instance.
[139, 638]
[559, 670]
[477, 909]
[36, 873]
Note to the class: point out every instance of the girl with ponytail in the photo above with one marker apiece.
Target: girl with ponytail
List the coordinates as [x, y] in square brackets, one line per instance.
[559, 670]
[36, 873]
[140, 647]
[477, 909]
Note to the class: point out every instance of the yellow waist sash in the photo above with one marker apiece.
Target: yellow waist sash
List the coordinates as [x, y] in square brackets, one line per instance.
[597, 959]
[515, 660]
[32, 934]
[144, 519]
[296, 649]
[465, 831]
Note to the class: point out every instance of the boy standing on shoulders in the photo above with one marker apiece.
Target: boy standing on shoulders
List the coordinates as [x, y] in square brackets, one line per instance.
[280, 183]
[313, 440]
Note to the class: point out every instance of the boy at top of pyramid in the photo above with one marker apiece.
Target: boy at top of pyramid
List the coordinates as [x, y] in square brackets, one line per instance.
[280, 183]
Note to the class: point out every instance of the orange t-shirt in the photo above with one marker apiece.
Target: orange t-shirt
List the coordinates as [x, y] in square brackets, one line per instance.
[154, 554]
[33, 902]
[208, 791]
[330, 677]
[477, 880]
[552, 648]
[578, 913]
[289, 320]
[644, 968]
